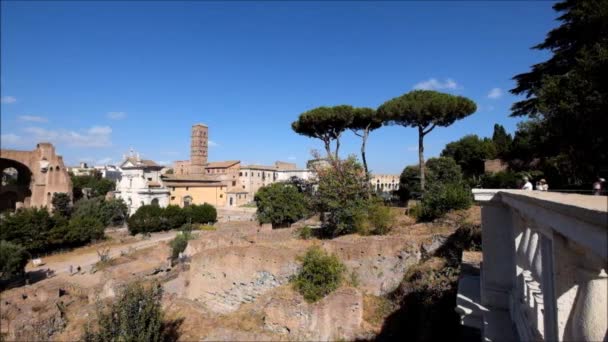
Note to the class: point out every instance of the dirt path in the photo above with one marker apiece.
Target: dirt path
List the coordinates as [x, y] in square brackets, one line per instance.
[86, 257]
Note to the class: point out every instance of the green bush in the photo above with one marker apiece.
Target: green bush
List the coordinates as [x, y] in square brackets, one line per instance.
[62, 204]
[320, 274]
[110, 212]
[147, 219]
[179, 244]
[204, 213]
[29, 228]
[13, 259]
[438, 170]
[280, 204]
[99, 186]
[305, 233]
[441, 198]
[380, 219]
[136, 316]
[82, 230]
[175, 216]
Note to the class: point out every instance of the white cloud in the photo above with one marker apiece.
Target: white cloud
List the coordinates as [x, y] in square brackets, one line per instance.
[212, 143]
[96, 136]
[291, 158]
[116, 115]
[32, 118]
[434, 84]
[8, 99]
[9, 138]
[495, 93]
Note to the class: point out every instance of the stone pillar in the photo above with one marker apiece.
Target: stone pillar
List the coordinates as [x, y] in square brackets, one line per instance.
[498, 268]
[589, 317]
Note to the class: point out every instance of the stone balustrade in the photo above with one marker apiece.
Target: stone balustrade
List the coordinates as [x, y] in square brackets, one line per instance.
[545, 257]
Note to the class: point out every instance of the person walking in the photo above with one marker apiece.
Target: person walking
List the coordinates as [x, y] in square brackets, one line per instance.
[527, 185]
[542, 185]
[597, 186]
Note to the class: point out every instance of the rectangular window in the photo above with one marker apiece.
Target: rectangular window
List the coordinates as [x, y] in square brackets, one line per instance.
[233, 183]
[149, 179]
[186, 188]
[240, 173]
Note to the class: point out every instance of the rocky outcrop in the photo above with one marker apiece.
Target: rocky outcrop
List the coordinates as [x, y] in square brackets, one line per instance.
[225, 278]
[338, 316]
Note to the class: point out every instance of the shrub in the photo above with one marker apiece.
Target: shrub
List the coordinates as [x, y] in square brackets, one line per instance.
[179, 244]
[305, 233]
[379, 217]
[147, 219]
[175, 216]
[280, 204]
[84, 229]
[320, 274]
[62, 204]
[137, 315]
[204, 213]
[441, 198]
[99, 186]
[13, 259]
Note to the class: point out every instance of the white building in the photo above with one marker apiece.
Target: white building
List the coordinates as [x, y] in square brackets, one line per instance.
[110, 172]
[140, 184]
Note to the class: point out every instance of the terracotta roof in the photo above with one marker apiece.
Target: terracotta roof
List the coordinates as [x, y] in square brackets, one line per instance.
[222, 164]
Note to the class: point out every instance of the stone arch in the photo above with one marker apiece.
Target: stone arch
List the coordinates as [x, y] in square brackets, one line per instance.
[154, 202]
[18, 190]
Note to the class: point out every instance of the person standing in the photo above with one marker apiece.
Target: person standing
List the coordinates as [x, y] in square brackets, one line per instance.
[597, 186]
[542, 185]
[527, 185]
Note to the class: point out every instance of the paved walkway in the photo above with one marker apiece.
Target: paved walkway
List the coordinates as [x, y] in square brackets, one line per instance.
[60, 263]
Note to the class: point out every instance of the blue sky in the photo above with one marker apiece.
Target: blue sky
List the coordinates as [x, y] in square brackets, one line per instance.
[97, 78]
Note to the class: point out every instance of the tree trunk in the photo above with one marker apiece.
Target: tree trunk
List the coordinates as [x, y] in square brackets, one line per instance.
[364, 138]
[328, 148]
[421, 156]
[337, 147]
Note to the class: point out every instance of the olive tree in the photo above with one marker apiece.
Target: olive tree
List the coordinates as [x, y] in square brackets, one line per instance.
[363, 121]
[326, 124]
[425, 110]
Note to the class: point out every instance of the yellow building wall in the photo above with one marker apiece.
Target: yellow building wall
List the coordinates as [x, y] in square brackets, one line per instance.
[215, 195]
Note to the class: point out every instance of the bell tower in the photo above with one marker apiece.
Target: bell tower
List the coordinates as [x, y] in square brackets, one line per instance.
[198, 149]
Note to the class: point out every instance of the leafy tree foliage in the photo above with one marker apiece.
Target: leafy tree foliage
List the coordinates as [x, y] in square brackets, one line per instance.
[441, 198]
[62, 204]
[438, 170]
[320, 275]
[425, 110]
[110, 212]
[13, 259]
[363, 121]
[280, 204]
[470, 152]
[342, 194]
[326, 124]
[502, 142]
[152, 218]
[568, 93]
[99, 186]
[136, 316]
[38, 232]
